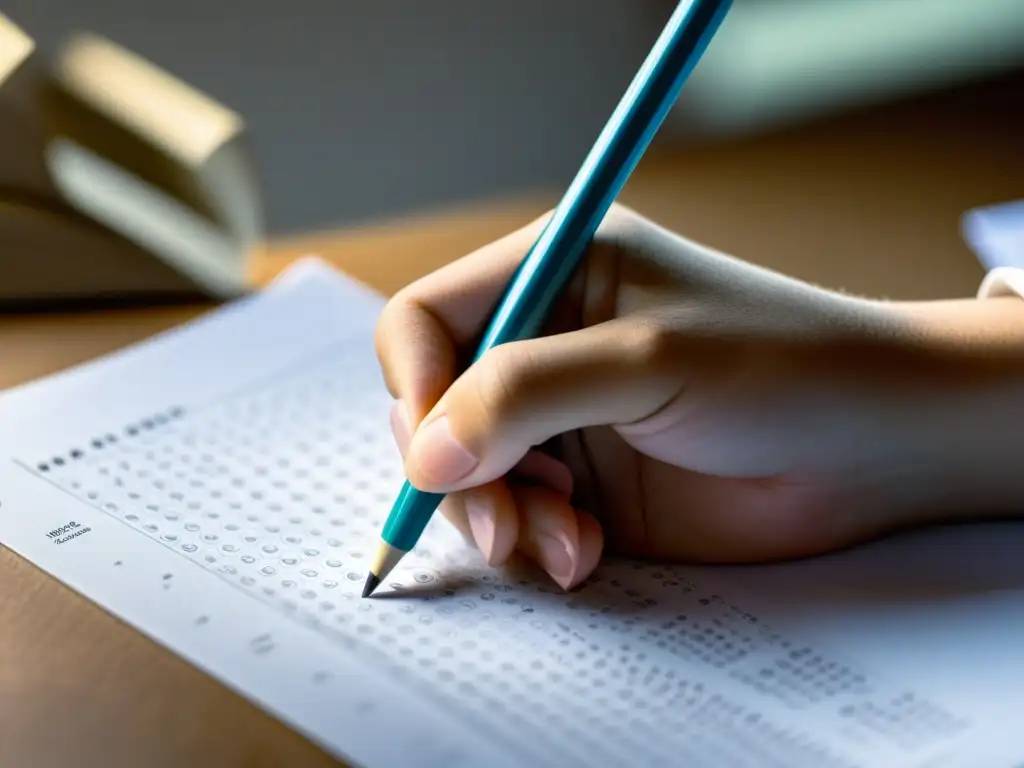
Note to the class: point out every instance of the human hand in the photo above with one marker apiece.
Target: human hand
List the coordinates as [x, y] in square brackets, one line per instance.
[688, 405]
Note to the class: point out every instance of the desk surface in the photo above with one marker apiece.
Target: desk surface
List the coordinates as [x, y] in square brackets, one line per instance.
[870, 204]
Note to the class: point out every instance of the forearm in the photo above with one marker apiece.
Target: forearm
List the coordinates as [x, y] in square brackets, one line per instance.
[988, 332]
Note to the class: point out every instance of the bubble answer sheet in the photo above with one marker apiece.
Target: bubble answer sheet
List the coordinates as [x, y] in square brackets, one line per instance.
[221, 487]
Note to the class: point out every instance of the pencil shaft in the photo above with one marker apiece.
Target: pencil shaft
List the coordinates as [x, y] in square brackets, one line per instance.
[542, 276]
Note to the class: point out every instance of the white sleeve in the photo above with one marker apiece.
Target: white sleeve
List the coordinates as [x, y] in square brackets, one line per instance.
[1002, 281]
[996, 235]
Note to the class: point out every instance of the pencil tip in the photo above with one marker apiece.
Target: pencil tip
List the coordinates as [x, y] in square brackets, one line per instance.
[372, 582]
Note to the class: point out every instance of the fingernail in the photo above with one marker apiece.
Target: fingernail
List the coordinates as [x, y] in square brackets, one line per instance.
[556, 557]
[440, 458]
[481, 523]
[546, 470]
[400, 427]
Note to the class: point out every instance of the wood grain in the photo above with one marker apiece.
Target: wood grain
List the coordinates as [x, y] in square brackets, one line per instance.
[869, 203]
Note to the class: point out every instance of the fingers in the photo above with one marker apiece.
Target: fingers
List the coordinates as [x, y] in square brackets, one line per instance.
[424, 326]
[455, 508]
[420, 336]
[565, 542]
[521, 394]
[541, 469]
[489, 514]
[536, 519]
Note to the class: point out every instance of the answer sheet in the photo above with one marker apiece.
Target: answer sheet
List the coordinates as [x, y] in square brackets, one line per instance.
[222, 486]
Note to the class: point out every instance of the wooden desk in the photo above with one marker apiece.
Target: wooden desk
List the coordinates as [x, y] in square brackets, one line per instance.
[869, 203]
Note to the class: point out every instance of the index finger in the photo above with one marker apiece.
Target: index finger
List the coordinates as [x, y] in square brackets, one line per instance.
[426, 325]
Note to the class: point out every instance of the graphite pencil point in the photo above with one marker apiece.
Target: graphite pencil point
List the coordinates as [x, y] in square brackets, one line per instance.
[372, 582]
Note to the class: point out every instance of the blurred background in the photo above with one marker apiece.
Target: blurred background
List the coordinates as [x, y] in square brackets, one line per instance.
[841, 142]
[361, 111]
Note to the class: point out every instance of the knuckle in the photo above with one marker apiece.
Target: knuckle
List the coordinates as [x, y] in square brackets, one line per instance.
[503, 380]
[380, 343]
[385, 333]
[620, 237]
[654, 345]
[617, 223]
[382, 332]
[620, 214]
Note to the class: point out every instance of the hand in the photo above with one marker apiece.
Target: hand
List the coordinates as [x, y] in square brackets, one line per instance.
[692, 406]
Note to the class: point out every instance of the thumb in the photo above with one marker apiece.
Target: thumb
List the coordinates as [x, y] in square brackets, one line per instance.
[523, 393]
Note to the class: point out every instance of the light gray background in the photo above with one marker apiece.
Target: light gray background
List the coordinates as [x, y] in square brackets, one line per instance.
[365, 110]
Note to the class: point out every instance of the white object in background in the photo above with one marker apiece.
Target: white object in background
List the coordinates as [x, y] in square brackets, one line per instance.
[996, 234]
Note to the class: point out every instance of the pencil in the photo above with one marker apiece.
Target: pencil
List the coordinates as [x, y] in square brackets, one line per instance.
[550, 263]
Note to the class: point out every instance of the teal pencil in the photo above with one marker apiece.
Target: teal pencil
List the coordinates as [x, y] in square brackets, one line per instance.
[549, 265]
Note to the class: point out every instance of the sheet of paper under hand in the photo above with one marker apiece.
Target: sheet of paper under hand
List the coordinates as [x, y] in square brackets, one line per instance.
[220, 488]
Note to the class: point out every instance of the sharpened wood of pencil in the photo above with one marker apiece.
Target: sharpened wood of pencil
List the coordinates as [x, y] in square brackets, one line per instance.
[384, 562]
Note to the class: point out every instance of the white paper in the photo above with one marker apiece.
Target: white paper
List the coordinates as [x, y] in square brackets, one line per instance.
[232, 517]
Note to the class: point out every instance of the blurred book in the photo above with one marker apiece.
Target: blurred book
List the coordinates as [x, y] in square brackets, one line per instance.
[776, 62]
[22, 170]
[126, 183]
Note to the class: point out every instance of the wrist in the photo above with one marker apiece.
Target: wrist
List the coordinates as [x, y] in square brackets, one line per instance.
[964, 428]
